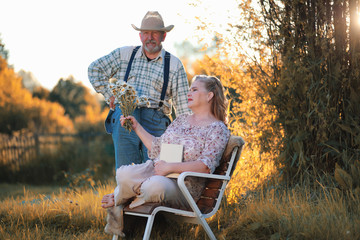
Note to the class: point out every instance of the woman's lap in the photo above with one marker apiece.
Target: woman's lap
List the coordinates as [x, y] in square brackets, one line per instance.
[139, 181]
[162, 189]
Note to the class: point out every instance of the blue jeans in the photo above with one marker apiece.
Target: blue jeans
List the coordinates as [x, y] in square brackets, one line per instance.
[128, 146]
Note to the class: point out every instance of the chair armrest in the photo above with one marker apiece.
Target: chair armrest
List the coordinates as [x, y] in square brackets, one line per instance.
[183, 175]
[185, 191]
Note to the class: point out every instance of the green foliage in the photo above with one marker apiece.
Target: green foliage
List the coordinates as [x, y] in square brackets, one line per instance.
[82, 180]
[296, 213]
[13, 118]
[20, 111]
[315, 82]
[41, 93]
[23, 112]
[13, 100]
[73, 96]
[92, 153]
[349, 181]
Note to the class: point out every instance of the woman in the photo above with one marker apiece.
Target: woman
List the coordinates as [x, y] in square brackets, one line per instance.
[204, 136]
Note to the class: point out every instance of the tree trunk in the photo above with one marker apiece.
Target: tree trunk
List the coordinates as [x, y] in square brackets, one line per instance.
[354, 35]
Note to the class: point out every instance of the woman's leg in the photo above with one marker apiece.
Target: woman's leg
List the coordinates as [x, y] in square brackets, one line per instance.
[129, 179]
[160, 189]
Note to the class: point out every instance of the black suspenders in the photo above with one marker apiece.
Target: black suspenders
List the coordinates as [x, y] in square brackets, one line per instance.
[166, 72]
[130, 63]
[166, 78]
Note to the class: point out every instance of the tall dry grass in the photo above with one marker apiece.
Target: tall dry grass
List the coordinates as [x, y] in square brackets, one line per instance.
[301, 212]
[72, 215]
[66, 215]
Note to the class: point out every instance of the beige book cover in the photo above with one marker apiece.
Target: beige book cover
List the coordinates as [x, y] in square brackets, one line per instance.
[171, 153]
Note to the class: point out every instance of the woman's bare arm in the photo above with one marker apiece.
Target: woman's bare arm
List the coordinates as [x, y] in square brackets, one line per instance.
[145, 137]
[164, 168]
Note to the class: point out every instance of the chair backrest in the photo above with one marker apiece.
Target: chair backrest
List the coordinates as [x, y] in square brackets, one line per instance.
[208, 200]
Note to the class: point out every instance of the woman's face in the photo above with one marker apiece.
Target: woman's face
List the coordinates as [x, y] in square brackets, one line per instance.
[197, 95]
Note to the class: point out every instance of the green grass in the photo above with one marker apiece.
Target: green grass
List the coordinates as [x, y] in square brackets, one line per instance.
[18, 190]
[276, 213]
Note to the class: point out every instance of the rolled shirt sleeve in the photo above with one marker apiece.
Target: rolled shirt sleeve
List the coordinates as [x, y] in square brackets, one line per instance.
[101, 70]
[215, 145]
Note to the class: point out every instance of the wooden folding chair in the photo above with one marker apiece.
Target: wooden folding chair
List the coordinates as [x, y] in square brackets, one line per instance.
[210, 199]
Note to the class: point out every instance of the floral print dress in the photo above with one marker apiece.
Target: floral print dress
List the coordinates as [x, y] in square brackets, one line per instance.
[204, 143]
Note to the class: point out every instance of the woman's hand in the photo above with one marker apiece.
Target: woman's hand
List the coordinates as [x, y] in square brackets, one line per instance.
[134, 122]
[162, 168]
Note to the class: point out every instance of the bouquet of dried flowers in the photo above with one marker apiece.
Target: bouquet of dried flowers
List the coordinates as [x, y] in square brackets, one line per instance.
[127, 98]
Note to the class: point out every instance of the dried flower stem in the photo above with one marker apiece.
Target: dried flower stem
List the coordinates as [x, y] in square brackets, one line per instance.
[127, 99]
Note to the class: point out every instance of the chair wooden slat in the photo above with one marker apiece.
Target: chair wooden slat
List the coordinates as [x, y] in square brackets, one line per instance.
[214, 183]
[145, 208]
[211, 193]
[205, 209]
[212, 189]
[206, 205]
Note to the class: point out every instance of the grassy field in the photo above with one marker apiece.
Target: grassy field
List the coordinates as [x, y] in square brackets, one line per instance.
[275, 213]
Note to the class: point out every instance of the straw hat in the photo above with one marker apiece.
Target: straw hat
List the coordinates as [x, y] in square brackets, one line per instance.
[153, 22]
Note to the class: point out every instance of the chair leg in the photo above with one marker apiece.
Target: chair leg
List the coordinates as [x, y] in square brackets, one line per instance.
[148, 227]
[207, 228]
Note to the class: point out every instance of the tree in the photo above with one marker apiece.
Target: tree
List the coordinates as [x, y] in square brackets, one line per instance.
[28, 80]
[48, 117]
[20, 111]
[14, 100]
[73, 96]
[3, 52]
[315, 81]
[241, 62]
[41, 93]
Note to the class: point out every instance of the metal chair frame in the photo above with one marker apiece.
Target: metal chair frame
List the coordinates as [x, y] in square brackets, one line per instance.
[195, 216]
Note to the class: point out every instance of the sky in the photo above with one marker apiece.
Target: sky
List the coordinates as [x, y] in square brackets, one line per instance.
[54, 39]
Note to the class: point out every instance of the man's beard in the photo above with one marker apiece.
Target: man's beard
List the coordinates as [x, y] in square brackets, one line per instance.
[156, 49]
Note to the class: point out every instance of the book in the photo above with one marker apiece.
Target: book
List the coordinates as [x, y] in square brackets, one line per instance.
[171, 153]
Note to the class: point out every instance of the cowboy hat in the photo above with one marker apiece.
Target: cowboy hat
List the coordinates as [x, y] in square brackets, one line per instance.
[153, 22]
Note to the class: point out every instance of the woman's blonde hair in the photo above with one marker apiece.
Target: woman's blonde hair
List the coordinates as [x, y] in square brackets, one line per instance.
[219, 103]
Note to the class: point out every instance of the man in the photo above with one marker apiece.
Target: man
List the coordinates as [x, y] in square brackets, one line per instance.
[146, 69]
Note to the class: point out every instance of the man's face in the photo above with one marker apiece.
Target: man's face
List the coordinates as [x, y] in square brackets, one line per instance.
[151, 40]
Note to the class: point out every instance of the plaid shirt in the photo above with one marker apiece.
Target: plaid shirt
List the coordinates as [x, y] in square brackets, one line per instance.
[146, 77]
